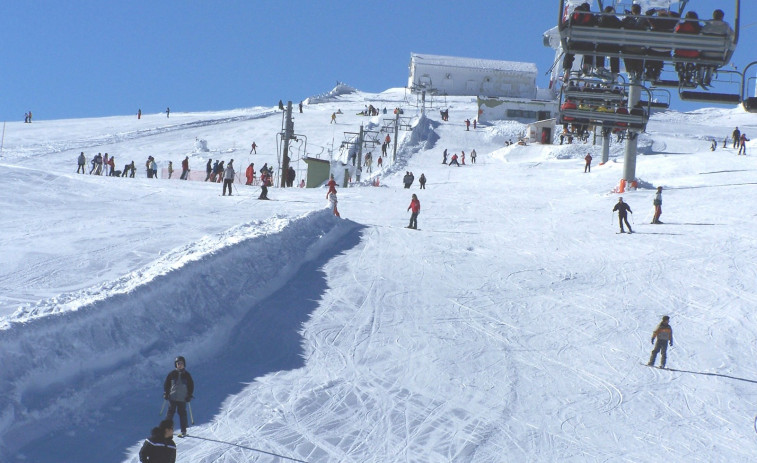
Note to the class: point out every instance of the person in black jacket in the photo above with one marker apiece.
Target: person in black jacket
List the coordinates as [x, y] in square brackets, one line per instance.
[623, 210]
[178, 390]
[159, 447]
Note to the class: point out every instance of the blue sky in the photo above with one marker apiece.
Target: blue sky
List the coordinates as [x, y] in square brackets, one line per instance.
[93, 58]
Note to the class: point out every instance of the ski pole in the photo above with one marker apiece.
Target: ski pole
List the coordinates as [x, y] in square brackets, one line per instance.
[163, 407]
[192, 418]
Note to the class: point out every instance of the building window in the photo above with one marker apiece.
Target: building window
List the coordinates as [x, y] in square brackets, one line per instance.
[521, 114]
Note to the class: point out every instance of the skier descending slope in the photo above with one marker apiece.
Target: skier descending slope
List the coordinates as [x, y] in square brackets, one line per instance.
[623, 210]
[664, 335]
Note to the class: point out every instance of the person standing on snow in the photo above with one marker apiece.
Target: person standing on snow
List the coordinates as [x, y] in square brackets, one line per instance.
[250, 173]
[208, 169]
[159, 447]
[178, 389]
[473, 157]
[467, 124]
[454, 160]
[736, 137]
[664, 335]
[228, 177]
[587, 167]
[422, 181]
[657, 202]
[333, 118]
[333, 202]
[623, 210]
[444, 159]
[168, 112]
[742, 144]
[254, 148]
[139, 113]
[82, 161]
[185, 168]
[170, 169]
[415, 206]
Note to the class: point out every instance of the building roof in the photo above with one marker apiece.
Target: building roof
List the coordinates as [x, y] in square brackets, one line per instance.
[473, 63]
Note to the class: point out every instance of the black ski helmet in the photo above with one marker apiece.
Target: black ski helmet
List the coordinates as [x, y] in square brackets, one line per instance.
[179, 359]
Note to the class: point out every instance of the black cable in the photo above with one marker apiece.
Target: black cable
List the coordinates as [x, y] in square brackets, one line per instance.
[247, 448]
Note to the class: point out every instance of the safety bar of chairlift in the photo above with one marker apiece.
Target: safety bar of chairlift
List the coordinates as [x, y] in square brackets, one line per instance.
[710, 97]
[715, 50]
[601, 116]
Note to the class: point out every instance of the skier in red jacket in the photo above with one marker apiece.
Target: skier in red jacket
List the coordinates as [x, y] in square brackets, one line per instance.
[415, 207]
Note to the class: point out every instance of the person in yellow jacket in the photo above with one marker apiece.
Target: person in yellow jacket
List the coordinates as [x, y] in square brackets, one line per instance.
[664, 336]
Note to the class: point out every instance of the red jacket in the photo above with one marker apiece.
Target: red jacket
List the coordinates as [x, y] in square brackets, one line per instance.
[415, 206]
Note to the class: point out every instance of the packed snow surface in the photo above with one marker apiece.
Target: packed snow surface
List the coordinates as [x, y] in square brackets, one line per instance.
[514, 325]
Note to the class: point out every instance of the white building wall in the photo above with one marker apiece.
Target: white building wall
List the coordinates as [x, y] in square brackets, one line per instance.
[451, 76]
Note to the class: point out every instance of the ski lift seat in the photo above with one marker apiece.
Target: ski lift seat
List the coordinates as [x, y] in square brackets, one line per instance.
[715, 50]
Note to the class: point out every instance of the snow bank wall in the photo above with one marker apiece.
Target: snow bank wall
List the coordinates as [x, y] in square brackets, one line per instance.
[65, 358]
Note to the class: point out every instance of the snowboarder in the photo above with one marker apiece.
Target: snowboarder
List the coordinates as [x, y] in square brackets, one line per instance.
[333, 202]
[159, 447]
[333, 118]
[422, 181]
[736, 137]
[587, 167]
[228, 177]
[82, 161]
[623, 210]
[664, 335]
[178, 390]
[254, 148]
[185, 168]
[415, 206]
[657, 202]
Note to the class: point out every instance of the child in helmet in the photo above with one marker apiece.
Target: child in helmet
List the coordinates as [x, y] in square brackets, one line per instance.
[177, 390]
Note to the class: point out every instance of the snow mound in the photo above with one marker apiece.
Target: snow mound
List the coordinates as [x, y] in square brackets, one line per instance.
[339, 90]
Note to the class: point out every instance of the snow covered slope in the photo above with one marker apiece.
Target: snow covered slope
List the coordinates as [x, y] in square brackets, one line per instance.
[511, 327]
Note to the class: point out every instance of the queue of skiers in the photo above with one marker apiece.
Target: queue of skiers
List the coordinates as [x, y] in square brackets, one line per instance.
[216, 171]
